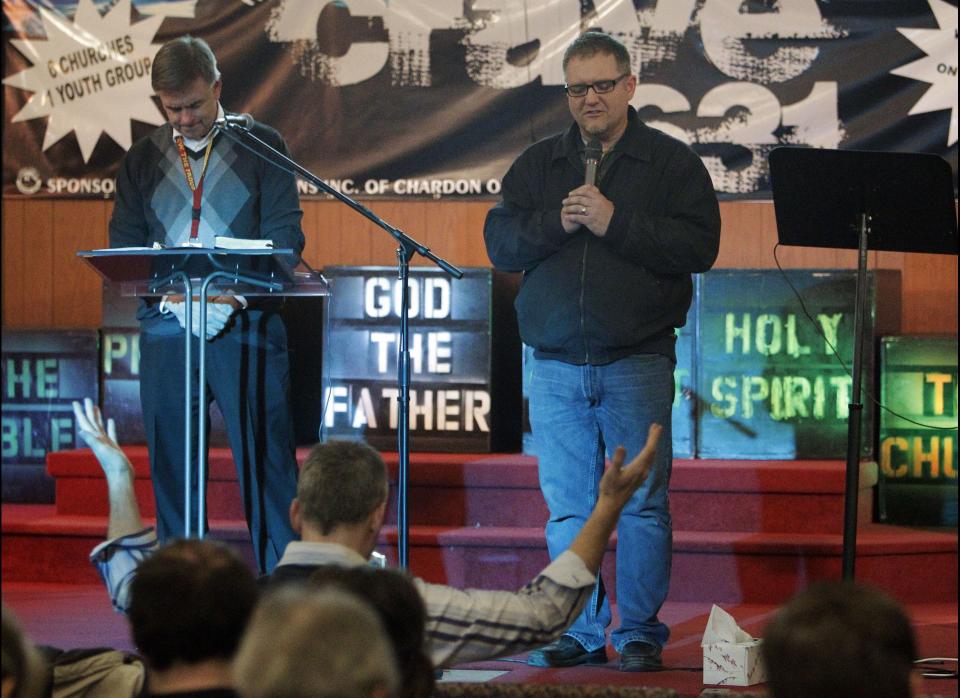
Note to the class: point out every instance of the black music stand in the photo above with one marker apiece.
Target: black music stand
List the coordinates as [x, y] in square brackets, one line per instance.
[895, 202]
[192, 271]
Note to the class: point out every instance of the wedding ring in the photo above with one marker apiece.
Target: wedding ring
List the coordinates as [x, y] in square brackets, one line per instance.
[583, 210]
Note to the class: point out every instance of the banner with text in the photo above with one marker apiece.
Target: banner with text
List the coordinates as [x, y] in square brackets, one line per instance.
[435, 98]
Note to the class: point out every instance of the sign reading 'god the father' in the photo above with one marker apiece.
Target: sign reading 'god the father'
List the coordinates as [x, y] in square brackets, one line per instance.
[464, 359]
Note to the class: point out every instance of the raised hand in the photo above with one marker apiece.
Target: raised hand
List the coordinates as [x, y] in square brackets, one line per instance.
[617, 485]
[125, 516]
[101, 438]
[620, 481]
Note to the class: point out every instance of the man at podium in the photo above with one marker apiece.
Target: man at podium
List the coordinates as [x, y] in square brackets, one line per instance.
[184, 184]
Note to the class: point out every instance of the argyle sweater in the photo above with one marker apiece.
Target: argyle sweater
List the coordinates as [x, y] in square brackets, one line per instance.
[244, 196]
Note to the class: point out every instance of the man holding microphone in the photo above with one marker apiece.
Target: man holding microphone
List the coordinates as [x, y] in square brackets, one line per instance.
[607, 222]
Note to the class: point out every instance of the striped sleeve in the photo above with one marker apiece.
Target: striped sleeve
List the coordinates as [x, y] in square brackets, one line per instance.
[117, 560]
[475, 624]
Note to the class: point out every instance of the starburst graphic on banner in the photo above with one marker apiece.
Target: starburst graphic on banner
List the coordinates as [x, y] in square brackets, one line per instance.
[90, 75]
[938, 67]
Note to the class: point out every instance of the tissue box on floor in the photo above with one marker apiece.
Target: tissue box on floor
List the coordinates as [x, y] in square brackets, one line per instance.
[731, 657]
[733, 664]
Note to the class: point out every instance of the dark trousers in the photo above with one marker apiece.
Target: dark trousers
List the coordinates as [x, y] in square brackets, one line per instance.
[248, 375]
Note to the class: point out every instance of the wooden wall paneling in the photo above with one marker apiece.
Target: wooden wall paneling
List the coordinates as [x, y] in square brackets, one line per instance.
[107, 214]
[77, 289]
[440, 230]
[929, 294]
[746, 234]
[39, 252]
[454, 231]
[312, 243]
[749, 236]
[356, 234]
[15, 306]
[408, 216]
[444, 231]
[886, 260]
[892, 260]
[43, 286]
[36, 263]
[324, 241]
[459, 230]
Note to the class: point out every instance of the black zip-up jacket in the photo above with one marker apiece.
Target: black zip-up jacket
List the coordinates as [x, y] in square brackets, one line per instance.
[587, 299]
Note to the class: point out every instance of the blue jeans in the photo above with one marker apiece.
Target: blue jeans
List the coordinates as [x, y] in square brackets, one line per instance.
[579, 415]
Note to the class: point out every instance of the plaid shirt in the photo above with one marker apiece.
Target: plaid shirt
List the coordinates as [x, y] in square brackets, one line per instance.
[462, 625]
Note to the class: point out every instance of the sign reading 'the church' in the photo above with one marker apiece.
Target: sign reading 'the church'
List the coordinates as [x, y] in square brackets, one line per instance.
[918, 431]
[464, 359]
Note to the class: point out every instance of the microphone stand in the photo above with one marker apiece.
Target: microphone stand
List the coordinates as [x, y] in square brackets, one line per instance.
[407, 247]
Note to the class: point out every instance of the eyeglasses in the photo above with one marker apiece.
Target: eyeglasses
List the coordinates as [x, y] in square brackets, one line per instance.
[600, 87]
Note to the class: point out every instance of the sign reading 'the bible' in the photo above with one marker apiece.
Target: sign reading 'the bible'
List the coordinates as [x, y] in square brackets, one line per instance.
[44, 371]
[464, 359]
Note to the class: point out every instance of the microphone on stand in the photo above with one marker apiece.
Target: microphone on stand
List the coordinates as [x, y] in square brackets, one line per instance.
[592, 155]
[244, 121]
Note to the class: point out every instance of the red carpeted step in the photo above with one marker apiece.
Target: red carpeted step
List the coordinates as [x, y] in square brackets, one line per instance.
[744, 531]
[503, 490]
[788, 496]
[912, 565]
[43, 545]
[81, 489]
[727, 567]
[769, 496]
[730, 567]
[444, 489]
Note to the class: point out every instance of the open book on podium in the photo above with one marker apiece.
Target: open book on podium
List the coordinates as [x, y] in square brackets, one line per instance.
[249, 271]
[228, 243]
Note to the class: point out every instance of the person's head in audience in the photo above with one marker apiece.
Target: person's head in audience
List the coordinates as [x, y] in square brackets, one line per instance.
[309, 643]
[838, 640]
[24, 675]
[341, 495]
[393, 596]
[189, 605]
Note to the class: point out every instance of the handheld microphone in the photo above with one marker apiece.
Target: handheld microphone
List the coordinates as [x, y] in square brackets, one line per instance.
[244, 121]
[592, 155]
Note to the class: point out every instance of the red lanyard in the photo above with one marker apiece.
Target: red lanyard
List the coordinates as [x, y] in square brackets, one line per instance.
[195, 187]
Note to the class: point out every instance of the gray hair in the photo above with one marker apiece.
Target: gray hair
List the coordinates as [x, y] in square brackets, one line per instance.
[308, 643]
[341, 482]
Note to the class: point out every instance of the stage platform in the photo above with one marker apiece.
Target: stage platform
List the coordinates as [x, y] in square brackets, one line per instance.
[747, 536]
